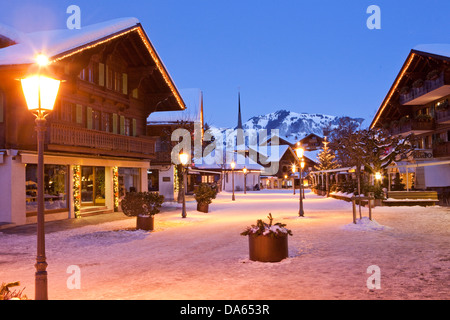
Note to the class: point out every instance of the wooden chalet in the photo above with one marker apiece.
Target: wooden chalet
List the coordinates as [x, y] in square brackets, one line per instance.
[418, 103]
[96, 147]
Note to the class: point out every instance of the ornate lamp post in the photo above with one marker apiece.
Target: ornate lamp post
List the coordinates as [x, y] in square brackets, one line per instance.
[184, 158]
[40, 93]
[233, 165]
[299, 151]
[245, 179]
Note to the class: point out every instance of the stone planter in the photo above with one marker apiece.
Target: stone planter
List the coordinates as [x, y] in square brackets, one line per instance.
[202, 207]
[266, 248]
[145, 223]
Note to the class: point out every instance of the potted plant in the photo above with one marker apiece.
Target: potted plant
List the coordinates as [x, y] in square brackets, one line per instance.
[204, 195]
[143, 206]
[268, 242]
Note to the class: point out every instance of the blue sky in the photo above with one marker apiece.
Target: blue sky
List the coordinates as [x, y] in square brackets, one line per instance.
[302, 56]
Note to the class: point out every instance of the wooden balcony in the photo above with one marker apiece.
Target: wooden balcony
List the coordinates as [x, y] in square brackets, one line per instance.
[413, 126]
[442, 150]
[61, 137]
[443, 117]
[430, 91]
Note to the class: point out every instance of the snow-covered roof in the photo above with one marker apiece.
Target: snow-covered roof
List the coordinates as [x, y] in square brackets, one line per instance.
[11, 33]
[440, 49]
[55, 42]
[193, 113]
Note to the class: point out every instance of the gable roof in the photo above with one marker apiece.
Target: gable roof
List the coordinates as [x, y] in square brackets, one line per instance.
[63, 43]
[437, 51]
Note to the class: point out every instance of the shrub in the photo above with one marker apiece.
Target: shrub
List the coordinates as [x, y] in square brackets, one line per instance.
[205, 193]
[142, 203]
[270, 229]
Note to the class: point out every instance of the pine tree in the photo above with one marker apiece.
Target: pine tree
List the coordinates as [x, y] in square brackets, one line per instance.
[327, 158]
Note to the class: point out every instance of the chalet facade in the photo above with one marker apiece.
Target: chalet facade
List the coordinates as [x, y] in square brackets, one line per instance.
[96, 145]
[163, 175]
[418, 104]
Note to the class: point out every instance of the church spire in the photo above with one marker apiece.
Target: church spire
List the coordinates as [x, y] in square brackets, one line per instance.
[239, 126]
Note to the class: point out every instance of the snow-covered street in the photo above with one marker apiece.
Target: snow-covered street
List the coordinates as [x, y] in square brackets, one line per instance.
[205, 257]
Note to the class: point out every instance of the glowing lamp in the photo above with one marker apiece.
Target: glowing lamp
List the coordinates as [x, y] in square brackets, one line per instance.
[378, 176]
[40, 93]
[302, 164]
[299, 151]
[184, 158]
[245, 170]
[233, 165]
[294, 168]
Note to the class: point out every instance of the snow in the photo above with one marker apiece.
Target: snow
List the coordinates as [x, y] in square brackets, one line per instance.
[55, 42]
[440, 49]
[192, 99]
[204, 257]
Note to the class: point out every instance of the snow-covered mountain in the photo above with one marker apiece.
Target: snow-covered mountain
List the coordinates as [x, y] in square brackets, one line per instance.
[292, 126]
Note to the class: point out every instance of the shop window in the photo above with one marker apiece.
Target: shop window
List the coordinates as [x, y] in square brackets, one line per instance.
[55, 187]
[153, 180]
[129, 180]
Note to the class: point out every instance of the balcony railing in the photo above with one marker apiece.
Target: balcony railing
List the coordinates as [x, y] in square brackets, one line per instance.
[428, 86]
[413, 126]
[443, 116]
[442, 150]
[65, 135]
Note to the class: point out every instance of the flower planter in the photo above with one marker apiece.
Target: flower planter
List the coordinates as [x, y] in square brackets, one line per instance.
[145, 223]
[202, 207]
[268, 248]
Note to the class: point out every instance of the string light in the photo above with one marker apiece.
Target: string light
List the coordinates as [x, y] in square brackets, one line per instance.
[150, 49]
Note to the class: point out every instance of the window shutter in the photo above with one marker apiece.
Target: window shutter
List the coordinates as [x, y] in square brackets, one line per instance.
[79, 114]
[101, 74]
[89, 117]
[135, 93]
[115, 123]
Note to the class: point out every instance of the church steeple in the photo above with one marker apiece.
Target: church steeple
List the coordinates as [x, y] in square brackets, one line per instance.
[239, 125]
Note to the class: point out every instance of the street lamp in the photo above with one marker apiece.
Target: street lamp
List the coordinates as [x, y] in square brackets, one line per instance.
[299, 151]
[378, 176]
[40, 93]
[184, 158]
[233, 165]
[245, 179]
[294, 168]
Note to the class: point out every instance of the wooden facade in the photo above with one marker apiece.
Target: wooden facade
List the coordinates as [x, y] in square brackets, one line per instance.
[97, 130]
[418, 104]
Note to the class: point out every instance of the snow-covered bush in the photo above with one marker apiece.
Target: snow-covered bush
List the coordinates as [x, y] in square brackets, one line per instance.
[263, 229]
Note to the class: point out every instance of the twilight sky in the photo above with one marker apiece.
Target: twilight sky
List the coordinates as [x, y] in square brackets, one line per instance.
[302, 56]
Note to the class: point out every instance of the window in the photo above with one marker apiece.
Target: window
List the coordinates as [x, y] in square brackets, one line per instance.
[55, 187]
[127, 131]
[106, 122]
[117, 81]
[109, 78]
[96, 120]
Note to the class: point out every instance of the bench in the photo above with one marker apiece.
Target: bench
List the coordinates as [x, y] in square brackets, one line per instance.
[411, 198]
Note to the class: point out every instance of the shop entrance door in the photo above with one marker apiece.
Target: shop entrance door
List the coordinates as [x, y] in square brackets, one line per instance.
[92, 186]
